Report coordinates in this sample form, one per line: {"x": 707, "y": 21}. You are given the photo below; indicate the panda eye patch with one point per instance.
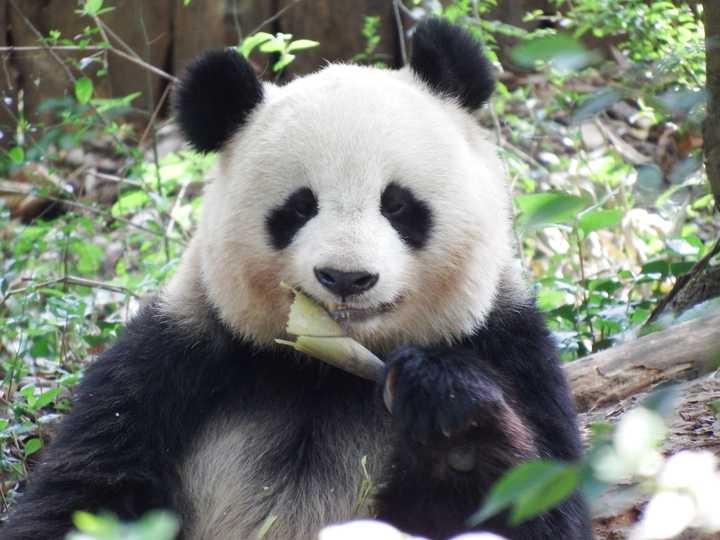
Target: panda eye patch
{"x": 409, "y": 216}
{"x": 284, "y": 221}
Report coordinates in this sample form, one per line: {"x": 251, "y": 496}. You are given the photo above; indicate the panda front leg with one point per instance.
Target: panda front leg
{"x": 457, "y": 431}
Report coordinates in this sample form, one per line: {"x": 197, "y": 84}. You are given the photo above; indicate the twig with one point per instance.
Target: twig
{"x": 155, "y": 114}
{"x": 151, "y": 125}
{"x": 274, "y": 17}
{"x": 97, "y": 212}
{"x": 71, "y": 280}
{"x": 74, "y": 48}
{"x": 400, "y": 31}
{"x": 116, "y": 37}
{"x": 114, "y": 178}
{"x": 236, "y": 22}
{"x": 41, "y": 40}
{"x": 504, "y": 143}
{"x": 172, "y": 220}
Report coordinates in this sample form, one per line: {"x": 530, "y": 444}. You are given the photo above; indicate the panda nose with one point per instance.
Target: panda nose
{"x": 345, "y": 284}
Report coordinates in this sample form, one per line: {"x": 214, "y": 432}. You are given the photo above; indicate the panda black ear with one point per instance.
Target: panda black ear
{"x": 214, "y": 98}
{"x": 451, "y": 62}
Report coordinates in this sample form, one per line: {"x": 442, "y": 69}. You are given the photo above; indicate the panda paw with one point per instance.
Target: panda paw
{"x": 440, "y": 396}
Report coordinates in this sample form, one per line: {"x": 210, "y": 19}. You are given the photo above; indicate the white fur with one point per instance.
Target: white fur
{"x": 235, "y": 484}
{"x": 346, "y": 132}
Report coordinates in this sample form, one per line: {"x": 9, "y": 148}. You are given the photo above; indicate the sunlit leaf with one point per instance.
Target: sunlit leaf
{"x": 17, "y": 155}
{"x": 539, "y": 210}
{"x": 302, "y": 44}
{"x": 32, "y": 446}
{"x": 129, "y": 201}
{"x": 83, "y": 90}
{"x": 562, "y": 51}
{"x": 250, "y": 42}
{"x": 92, "y": 7}
{"x": 285, "y": 60}
{"x": 599, "y": 219}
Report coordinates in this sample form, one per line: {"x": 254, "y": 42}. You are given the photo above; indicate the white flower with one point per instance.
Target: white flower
{"x": 367, "y": 529}
{"x": 634, "y": 452}
{"x": 688, "y": 494}
{"x": 363, "y": 529}
{"x": 666, "y": 515}
{"x": 696, "y": 473}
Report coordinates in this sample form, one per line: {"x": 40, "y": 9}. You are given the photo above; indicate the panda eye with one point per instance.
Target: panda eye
{"x": 394, "y": 208}
{"x": 394, "y": 201}
{"x": 409, "y": 216}
{"x": 305, "y": 209}
{"x": 284, "y": 221}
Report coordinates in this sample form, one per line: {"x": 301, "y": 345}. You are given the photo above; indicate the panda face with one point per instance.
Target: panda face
{"x": 370, "y": 193}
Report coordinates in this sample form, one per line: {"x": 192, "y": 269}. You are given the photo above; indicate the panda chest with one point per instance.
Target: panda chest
{"x": 289, "y": 473}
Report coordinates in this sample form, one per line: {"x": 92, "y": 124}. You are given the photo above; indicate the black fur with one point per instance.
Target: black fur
{"x": 452, "y": 63}
{"x": 408, "y": 215}
{"x": 286, "y": 220}
{"x": 471, "y": 397}
{"x": 143, "y": 403}
{"x": 215, "y": 97}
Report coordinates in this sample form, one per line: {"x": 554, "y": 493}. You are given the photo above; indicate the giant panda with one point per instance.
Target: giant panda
{"x": 377, "y": 194}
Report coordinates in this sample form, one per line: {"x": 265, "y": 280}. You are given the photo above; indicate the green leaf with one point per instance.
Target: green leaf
{"x": 83, "y": 90}
{"x": 46, "y": 398}
{"x": 599, "y": 219}
{"x": 128, "y": 202}
{"x": 17, "y": 155}
{"x": 157, "y": 525}
{"x": 96, "y": 526}
{"x": 562, "y": 51}
{"x": 92, "y": 7}
{"x": 539, "y": 210}
{"x": 599, "y": 102}
{"x": 104, "y": 105}
{"x": 302, "y": 44}
{"x": 250, "y": 42}
{"x": 284, "y": 60}
{"x": 32, "y": 446}
{"x": 557, "y": 487}
{"x": 274, "y": 45}
{"x": 89, "y": 256}
{"x": 524, "y": 485}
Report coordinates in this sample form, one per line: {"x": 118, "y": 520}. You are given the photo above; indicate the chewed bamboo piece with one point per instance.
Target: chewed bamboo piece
{"x": 320, "y": 336}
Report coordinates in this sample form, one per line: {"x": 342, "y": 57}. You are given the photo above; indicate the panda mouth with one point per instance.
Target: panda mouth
{"x": 350, "y": 313}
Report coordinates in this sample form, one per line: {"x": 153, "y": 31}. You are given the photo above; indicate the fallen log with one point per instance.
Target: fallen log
{"x": 683, "y": 351}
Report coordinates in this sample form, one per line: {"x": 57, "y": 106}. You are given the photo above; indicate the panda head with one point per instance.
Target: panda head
{"x": 373, "y": 191}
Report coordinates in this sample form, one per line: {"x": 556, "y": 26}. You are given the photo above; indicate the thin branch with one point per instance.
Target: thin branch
{"x": 95, "y": 211}
{"x": 116, "y": 37}
{"x": 71, "y": 280}
{"x": 172, "y": 221}
{"x": 274, "y": 17}
{"x": 153, "y": 117}
{"x": 75, "y": 48}
{"x": 115, "y": 178}
{"x": 41, "y": 40}
{"x": 400, "y": 31}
